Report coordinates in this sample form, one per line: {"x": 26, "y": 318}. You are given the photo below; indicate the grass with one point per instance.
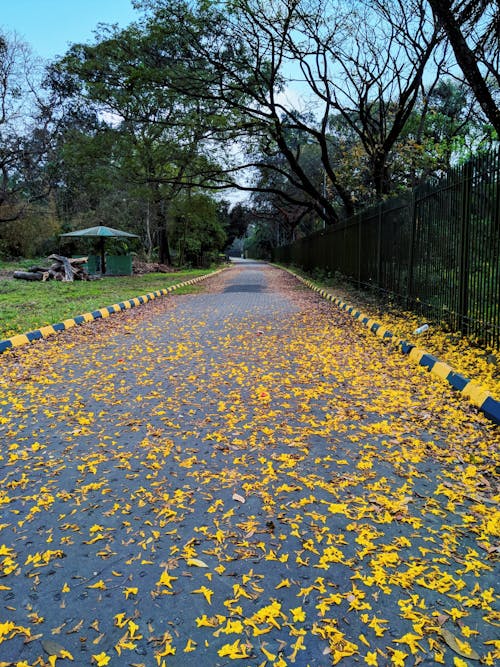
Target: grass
{"x": 25, "y": 306}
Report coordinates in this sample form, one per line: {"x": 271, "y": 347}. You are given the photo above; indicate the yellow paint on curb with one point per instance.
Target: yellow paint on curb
{"x": 441, "y": 369}
{"x": 475, "y": 393}
{"x": 20, "y": 339}
{"x": 416, "y": 354}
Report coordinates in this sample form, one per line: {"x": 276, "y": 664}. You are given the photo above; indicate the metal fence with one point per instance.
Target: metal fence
{"x": 436, "y": 251}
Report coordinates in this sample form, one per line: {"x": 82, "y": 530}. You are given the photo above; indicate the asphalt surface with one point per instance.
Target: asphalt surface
{"x": 241, "y": 475}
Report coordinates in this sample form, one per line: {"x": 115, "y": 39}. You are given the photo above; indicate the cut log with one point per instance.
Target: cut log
{"x": 37, "y": 269}
{"x": 72, "y": 260}
{"x": 62, "y": 268}
{"x": 68, "y": 273}
{"x": 28, "y": 275}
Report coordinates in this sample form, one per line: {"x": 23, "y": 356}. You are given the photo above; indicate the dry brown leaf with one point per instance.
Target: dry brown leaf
{"x": 53, "y": 648}
{"x": 451, "y": 640}
{"x": 57, "y": 631}
{"x": 196, "y": 562}
{"x": 76, "y": 628}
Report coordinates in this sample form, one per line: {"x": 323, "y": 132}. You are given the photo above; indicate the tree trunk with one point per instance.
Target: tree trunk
{"x": 163, "y": 246}
{"x": 466, "y": 60}
{"x": 148, "y": 241}
{"x": 381, "y": 176}
{"x": 160, "y": 216}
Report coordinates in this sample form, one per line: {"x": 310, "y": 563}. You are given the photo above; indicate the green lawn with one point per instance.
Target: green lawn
{"x": 25, "y": 306}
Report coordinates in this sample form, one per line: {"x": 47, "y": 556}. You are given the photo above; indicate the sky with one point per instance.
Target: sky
{"x": 50, "y": 26}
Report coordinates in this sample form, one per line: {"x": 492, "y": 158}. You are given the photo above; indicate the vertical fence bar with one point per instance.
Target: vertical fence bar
{"x": 379, "y": 246}
{"x": 495, "y": 318}
{"x": 360, "y": 217}
{"x": 411, "y": 248}
{"x": 465, "y": 224}
{"x": 439, "y": 249}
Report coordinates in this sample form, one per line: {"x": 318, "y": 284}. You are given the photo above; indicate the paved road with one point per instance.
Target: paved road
{"x": 240, "y": 474}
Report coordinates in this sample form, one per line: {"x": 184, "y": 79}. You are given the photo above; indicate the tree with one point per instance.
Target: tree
{"x": 236, "y": 220}
{"x": 473, "y": 29}
{"x": 368, "y": 69}
{"x": 26, "y": 130}
{"x": 232, "y": 56}
{"x": 156, "y": 139}
{"x": 365, "y": 62}
{"x": 280, "y": 199}
{"x": 198, "y": 233}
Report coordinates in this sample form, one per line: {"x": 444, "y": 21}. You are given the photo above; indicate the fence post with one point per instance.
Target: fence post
{"x": 411, "y": 249}
{"x": 379, "y": 246}
{"x": 359, "y": 250}
{"x": 463, "y": 304}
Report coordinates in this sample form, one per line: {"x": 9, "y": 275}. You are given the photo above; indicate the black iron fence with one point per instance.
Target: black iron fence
{"x": 437, "y": 250}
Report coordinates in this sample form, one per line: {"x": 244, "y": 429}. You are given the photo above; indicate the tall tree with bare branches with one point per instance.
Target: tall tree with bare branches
{"x": 473, "y": 30}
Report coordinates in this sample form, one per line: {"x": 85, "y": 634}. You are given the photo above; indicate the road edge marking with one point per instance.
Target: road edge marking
{"x": 479, "y": 397}
{"x": 49, "y": 330}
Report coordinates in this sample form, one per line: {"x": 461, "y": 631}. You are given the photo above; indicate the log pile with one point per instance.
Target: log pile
{"x": 62, "y": 268}
{"x": 140, "y": 268}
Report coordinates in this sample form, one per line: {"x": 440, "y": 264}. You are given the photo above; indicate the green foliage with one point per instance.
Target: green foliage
{"x": 145, "y": 145}
{"x": 260, "y": 241}
{"x": 35, "y": 233}
{"x": 236, "y": 221}
{"x": 197, "y": 233}
{"x": 196, "y": 94}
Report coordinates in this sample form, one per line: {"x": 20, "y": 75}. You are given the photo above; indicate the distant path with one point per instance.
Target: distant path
{"x": 128, "y": 447}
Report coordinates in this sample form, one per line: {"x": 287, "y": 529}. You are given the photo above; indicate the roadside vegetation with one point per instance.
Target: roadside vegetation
{"x": 25, "y": 306}
{"x": 474, "y": 362}
{"x": 254, "y": 123}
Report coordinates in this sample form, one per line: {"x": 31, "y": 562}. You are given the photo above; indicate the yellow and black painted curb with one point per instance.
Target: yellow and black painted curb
{"x": 51, "y": 329}
{"x": 476, "y": 394}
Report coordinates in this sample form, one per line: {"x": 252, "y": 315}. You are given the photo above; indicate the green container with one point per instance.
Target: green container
{"x": 116, "y": 265}
{"x": 92, "y": 262}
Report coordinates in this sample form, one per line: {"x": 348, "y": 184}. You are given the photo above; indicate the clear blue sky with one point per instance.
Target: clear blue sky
{"x": 49, "y": 26}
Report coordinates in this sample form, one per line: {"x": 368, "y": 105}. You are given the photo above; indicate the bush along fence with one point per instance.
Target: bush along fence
{"x": 435, "y": 251}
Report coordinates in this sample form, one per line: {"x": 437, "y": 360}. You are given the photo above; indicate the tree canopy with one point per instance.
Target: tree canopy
{"x": 312, "y": 108}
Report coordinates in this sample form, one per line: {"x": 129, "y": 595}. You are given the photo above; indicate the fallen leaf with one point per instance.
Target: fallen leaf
{"x": 53, "y": 648}
{"x": 196, "y": 562}
{"x": 462, "y": 648}
{"x": 76, "y": 628}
